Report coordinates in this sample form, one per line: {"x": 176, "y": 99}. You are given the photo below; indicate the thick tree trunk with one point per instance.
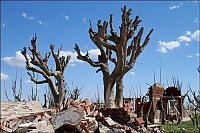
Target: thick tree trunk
{"x": 60, "y": 90}
{"x": 53, "y": 91}
{"x": 108, "y": 94}
{"x": 119, "y": 93}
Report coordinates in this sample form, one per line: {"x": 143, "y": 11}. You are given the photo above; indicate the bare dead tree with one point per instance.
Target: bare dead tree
{"x": 125, "y": 55}
{"x": 75, "y": 92}
{"x": 97, "y": 96}
{"x": 33, "y": 95}
{"x": 37, "y": 64}
{"x": 17, "y": 95}
{"x": 45, "y": 101}
{"x": 176, "y": 83}
{"x": 48, "y": 99}
{"x": 6, "y": 92}
{"x": 195, "y": 102}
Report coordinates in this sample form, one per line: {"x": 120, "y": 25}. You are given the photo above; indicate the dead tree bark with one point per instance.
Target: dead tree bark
{"x": 122, "y": 50}
{"x": 119, "y": 93}
{"x": 37, "y": 64}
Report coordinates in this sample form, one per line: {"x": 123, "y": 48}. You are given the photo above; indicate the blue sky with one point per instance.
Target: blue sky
{"x": 174, "y": 44}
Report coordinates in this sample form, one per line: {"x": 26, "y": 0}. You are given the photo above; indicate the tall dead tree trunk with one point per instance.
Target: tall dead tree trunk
{"x": 36, "y": 64}
{"x": 119, "y": 93}
{"x": 102, "y": 64}
{"x": 119, "y": 45}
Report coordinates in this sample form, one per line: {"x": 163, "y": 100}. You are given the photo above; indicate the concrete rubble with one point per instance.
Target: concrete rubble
{"x": 78, "y": 116}
{"x": 25, "y": 117}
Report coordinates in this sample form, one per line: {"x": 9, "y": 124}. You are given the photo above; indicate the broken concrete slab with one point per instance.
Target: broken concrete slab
{"x": 117, "y": 130}
{"x": 104, "y": 129}
{"x": 18, "y": 116}
{"x": 109, "y": 121}
{"x": 41, "y": 125}
{"x": 26, "y": 124}
{"x": 21, "y": 130}
{"x": 9, "y": 109}
{"x": 71, "y": 116}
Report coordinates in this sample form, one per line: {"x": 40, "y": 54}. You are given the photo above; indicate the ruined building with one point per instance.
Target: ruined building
{"x": 160, "y": 104}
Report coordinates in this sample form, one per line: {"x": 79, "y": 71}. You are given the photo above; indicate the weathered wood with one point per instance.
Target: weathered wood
{"x": 71, "y": 116}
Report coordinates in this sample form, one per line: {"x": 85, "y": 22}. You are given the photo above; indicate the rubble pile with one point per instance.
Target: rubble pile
{"x": 25, "y": 117}
{"x": 78, "y": 116}
{"x": 120, "y": 115}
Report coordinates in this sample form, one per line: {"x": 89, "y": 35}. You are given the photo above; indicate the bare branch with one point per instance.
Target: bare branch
{"x": 32, "y": 77}
{"x": 47, "y": 55}
{"x": 146, "y": 40}
{"x": 113, "y": 36}
{"x": 86, "y": 57}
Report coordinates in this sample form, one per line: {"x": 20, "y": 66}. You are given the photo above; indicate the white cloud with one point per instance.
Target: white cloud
{"x": 71, "y": 64}
{"x": 196, "y": 35}
{"x": 24, "y": 15}
{"x": 196, "y": 20}
{"x": 39, "y": 22}
{"x": 165, "y": 46}
{"x": 3, "y": 25}
{"x": 188, "y": 33}
{"x": 132, "y": 73}
{"x": 17, "y": 60}
{"x": 93, "y": 53}
{"x": 84, "y": 19}
{"x": 32, "y": 18}
{"x": 174, "y": 7}
{"x": 73, "y": 55}
{"x": 187, "y": 44}
{"x": 189, "y": 56}
{"x": 197, "y": 54}
{"x": 27, "y": 17}
{"x": 181, "y": 3}
{"x": 162, "y": 50}
{"x": 184, "y": 39}
{"x": 4, "y": 76}
{"x": 67, "y": 17}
